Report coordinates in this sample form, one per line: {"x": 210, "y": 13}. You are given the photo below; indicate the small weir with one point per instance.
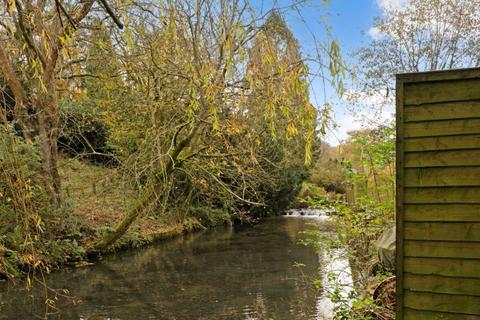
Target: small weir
{"x": 309, "y": 213}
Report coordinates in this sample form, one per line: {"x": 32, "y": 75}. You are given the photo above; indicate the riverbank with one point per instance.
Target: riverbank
{"x": 357, "y": 229}
{"x": 98, "y": 198}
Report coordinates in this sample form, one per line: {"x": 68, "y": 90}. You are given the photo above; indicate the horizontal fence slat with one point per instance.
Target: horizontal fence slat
{"x": 448, "y": 231}
{"x": 441, "y": 91}
{"x": 442, "y": 249}
{"x": 410, "y": 314}
{"x": 442, "y": 111}
{"x": 442, "y": 212}
{"x": 443, "y": 267}
{"x": 442, "y": 158}
{"x": 442, "y": 302}
{"x": 442, "y": 143}
{"x": 441, "y": 128}
{"x": 442, "y": 195}
{"x": 447, "y": 285}
{"x": 442, "y": 177}
{"x": 443, "y": 75}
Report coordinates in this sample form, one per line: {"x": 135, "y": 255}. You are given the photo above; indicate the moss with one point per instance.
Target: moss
{"x": 8, "y": 266}
{"x": 136, "y": 237}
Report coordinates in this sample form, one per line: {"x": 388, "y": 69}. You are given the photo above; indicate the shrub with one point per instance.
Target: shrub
{"x": 82, "y": 133}
{"x": 210, "y": 217}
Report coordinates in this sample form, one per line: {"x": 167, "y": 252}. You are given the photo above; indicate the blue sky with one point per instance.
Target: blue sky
{"x": 350, "y": 21}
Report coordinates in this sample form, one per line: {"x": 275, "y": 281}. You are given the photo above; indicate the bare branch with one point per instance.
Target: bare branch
{"x": 111, "y": 13}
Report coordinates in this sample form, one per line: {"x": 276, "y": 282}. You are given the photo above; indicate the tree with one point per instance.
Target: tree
{"x": 221, "y": 106}
{"x": 328, "y": 171}
{"x": 35, "y": 38}
{"x": 423, "y": 36}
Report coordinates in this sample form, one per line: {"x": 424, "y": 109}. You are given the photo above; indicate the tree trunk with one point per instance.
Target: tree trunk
{"x": 46, "y": 127}
{"x": 38, "y": 118}
{"x": 146, "y": 198}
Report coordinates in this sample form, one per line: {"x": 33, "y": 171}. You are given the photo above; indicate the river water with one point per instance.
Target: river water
{"x": 247, "y": 273}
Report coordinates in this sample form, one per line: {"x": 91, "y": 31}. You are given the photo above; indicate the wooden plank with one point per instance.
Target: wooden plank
{"x": 410, "y": 314}
{"x": 442, "y": 195}
{"x": 447, "y": 231}
{"x": 399, "y": 180}
{"x": 439, "y": 75}
{"x": 442, "y": 177}
{"x": 445, "y": 91}
{"x": 442, "y": 143}
{"x": 447, "y": 285}
{"x": 442, "y": 158}
{"x": 460, "y": 268}
{"x": 442, "y": 302}
{"x": 442, "y": 111}
{"x": 442, "y": 128}
{"x": 442, "y": 249}
{"x": 442, "y": 212}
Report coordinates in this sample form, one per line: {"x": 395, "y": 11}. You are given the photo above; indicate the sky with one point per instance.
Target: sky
{"x": 350, "y": 23}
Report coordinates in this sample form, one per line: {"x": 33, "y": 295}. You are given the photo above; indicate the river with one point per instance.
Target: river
{"x": 243, "y": 273}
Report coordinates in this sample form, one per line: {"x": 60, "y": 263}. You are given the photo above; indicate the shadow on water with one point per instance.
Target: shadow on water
{"x": 232, "y": 273}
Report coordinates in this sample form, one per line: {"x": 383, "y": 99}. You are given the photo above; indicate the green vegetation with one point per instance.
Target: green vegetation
{"x": 359, "y": 185}
{"x": 121, "y": 124}
{"x": 200, "y": 118}
{"x": 357, "y": 180}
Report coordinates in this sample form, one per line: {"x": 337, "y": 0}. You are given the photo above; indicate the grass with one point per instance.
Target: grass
{"x": 98, "y": 198}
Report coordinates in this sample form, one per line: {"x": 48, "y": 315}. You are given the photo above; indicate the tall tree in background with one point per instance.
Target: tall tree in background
{"x": 422, "y": 36}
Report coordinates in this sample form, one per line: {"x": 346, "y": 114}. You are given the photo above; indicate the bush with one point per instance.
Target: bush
{"x": 82, "y": 133}
{"x": 24, "y": 203}
{"x": 311, "y": 196}
{"x": 210, "y": 217}
{"x": 21, "y": 188}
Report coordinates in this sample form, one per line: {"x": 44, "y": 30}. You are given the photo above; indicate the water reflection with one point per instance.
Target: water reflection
{"x": 243, "y": 273}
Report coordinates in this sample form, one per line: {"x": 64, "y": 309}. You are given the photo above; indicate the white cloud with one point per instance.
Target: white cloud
{"x": 392, "y": 4}
{"x": 374, "y": 32}
{"x": 360, "y": 110}
{"x": 386, "y": 7}
{"x": 347, "y": 122}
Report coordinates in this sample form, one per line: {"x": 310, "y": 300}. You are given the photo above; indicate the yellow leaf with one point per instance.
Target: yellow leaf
{"x": 64, "y": 52}
{"x": 11, "y": 6}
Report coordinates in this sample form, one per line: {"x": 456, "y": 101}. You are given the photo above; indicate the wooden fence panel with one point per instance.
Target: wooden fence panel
{"x": 438, "y": 195}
